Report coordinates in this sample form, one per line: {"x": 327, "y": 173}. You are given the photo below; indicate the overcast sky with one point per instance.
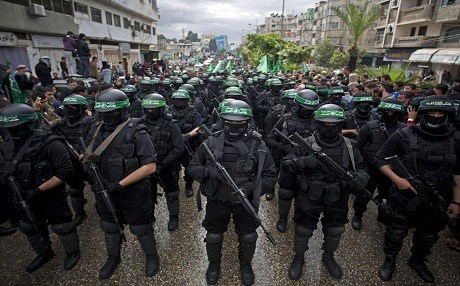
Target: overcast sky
{"x": 221, "y": 17}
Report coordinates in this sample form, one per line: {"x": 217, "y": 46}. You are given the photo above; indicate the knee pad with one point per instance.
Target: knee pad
{"x": 212, "y": 237}
{"x": 108, "y": 227}
{"x": 303, "y": 231}
{"x": 285, "y": 194}
{"x": 142, "y": 229}
{"x": 63, "y": 228}
{"x": 73, "y": 192}
{"x": 334, "y": 231}
{"x": 428, "y": 239}
{"x": 173, "y": 196}
{"x": 27, "y": 228}
{"x": 248, "y": 238}
{"x": 396, "y": 234}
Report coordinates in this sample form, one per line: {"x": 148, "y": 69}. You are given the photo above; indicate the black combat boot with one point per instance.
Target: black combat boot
{"x": 43, "y": 250}
{"x": 357, "y": 222}
{"x": 246, "y": 249}
{"x": 5, "y": 231}
{"x": 188, "y": 188}
{"x": 418, "y": 264}
{"x": 281, "y": 225}
{"x": 214, "y": 252}
{"x": 148, "y": 244}
{"x": 78, "y": 205}
{"x": 331, "y": 243}
{"x": 387, "y": 268}
{"x": 172, "y": 202}
{"x": 113, "y": 245}
{"x": 71, "y": 246}
{"x": 173, "y": 223}
{"x": 301, "y": 237}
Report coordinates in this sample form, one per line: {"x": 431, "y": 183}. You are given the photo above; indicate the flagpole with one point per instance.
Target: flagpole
{"x": 282, "y": 24}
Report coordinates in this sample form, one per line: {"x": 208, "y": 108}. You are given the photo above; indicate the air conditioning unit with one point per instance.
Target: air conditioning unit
{"x": 135, "y": 33}
{"x": 144, "y": 27}
{"x": 132, "y": 24}
{"x": 37, "y": 10}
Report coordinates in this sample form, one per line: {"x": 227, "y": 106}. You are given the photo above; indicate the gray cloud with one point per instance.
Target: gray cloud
{"x": 221, "y": 17}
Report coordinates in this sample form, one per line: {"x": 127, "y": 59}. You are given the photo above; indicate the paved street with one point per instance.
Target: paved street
{"x": 183, "y": 256}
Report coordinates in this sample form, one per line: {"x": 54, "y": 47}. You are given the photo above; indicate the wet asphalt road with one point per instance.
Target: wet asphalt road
{"x": 183, "y": 255}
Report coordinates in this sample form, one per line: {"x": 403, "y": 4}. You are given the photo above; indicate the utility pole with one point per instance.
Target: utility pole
{"x": 183, "y": 34}
{"x": 282, "y": 24}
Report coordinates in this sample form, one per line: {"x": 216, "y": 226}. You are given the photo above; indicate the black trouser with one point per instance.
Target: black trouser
{"x": 377, "y": 180}
{"x": 218, "y": 215}
{"x": 185, "y": 161}
{"x": 427, "y": 226}
{"x": 7, "y": 201}
{"x": 169, "y": 181}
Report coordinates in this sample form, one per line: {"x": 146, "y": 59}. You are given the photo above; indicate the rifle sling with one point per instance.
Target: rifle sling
{"x": 107, "y": 140}
{"x": 256, "y": 198}
{"x": 22, "y": 151}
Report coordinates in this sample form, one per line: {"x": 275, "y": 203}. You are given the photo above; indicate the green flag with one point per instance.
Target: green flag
{"x": 18, "y": 95}
{"x": 210, "y": 67}
{"x": 229, "y": 66}
{"x": 264, "y": 64}
{"x": 218, "y": 67}
{"x": 305, "y": 68}
{"x": 196, "y": 60}
{"x": 278, "y": 66}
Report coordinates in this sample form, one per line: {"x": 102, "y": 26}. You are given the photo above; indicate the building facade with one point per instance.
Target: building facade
{"x": 117, "y": 30}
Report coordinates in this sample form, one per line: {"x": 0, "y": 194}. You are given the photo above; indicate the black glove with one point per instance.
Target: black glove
{"x": 30, "y": 195}
{"x": 212, "y": 173}
{"x": 113, "y": 187}
{"x": 359, "y": 181}
{"x": 308, "y": 162}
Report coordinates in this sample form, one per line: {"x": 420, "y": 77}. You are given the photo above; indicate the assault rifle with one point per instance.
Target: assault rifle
{"x": 426, "y": 193}
{"x": 96, "y": 176}
{"x": 297, "y": 140}
{"x": 238, "y": 193}
{"x": 24, "y": 205}
{"x": 59, "y": 132}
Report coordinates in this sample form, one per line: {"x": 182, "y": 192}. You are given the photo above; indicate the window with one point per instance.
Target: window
{"x": 116, "y": 20}
{"x": 412, "y": 31}
{"x": 80, "y": 8}
{"x": 147, "y": 28}
{"x": 137, "y": 26}
{"x": 126, "y": 23}
{"x": 445, "y": 3}
{"x": 334, "y": 25}
{"x": 154, "y": 31}
{"x": 452, "y": 35}
{"x": 422, "y": 30}
{"x": 58, "y": 6}
{"x": 108, "y": 18}
{"x": 419, "y": 3}
{"x": 96, "y": 15}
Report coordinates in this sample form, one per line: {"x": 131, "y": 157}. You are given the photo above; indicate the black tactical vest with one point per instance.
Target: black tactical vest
{"x": 73, "y": 132}
{"x": 185, "y": 118}
{"x": 135, "y": 108}
{"x": 292, "y": 124}
{"x": 161, "y": 136}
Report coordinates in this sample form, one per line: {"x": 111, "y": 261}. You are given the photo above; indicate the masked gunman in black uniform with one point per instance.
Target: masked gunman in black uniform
{"x": 135, "y": 108}
{"x": 124, "y": 165}
{"x": 322, "y": 190}
{"x": 239, "y": 151}
{"x": 302, "y": 122}
{"x": 370, "y": 139}
{"x": 430, "y": 151}
{"x": 74, "y": 125}
{"x": 43, "y": 165}
{"x": 167, "y": 139}
{"x": 188, "y": 120}
{"x": 359, "y": 116}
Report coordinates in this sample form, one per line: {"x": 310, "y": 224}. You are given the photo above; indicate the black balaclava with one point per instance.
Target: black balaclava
{"x": 234, "y": 132}
{"x": 179, "y": 103}
{"x": 304, "y": 113}
{"x": 113, "y": 118}
{"x": 74, "y": 112}
{"x": 388, "y": 118}
{"x": 20, "y": 132}
{"x": 363, "y": 109}
{"x": 153, "y": 114}
{"x": 434, "y": 124}
{"x": 329, "y": 134}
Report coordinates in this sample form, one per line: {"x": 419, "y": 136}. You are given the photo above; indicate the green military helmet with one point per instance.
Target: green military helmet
{"x": 255, "y": 78}
{"x": 290, "y": 93}
{"x": 111, "y": 99}
{"x": 146, "y": 82}
{"x": 330, "y": 113}
{"x": 224, "y": 102}
{"x": 230, "y": 82}
{"x": 363, "y": 98}
{"x": 392, "y": 105}
{"x": 250, "y": 81}
{"x": 178, "y": 80}
{"x": 129, "y": 89}
{"x": 236, "y": 110}
{"x": 308, "y": 99}
{"x": 153, "y": 100}
{"x": 75, "y": 99}
{"x": 233, "y": 92}
{"x": 211, "y": 79}
{"x": 241, "y": 84}
{"x": 155, "y": 81}
{"x": 262, "y": 77}
{"x": 276, "y": 84}
{"x": 437, "y": 103}
{"x": 15, "y": 114}
{"x": 166, "y": 81}
{"x": 180, "y": 94}
{"x": 189, "y": 88}
{"x": 218, "y": 79}
{"x": 289, "y": 82}
{"x": 185, "y": 77}
{"x": 194, "y": 81}
{"x": 204, "y": 77}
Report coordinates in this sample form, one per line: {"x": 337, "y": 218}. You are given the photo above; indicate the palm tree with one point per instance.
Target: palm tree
{"x": 358, "y": 18}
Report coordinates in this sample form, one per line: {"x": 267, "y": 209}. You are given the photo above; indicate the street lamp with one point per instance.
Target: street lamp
{"x": 282, "y": 24}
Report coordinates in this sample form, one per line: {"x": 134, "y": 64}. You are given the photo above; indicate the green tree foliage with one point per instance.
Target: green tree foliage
{"x": 394, "y": 73}
{"x": 338, "y": 60}
{"x": 294, "y": 55}
{"x": 192, "y": 37}
{"x": 213, "y": 45}
{"x": 323, "y": 53}
{"x": 358, "y": 18}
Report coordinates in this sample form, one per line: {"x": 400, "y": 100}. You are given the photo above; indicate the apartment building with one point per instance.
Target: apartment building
{"x": 286, "y": 26}
{"x": 116, "y": 29}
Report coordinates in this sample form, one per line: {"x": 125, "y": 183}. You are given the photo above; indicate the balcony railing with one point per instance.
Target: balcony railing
{"x": 416, "y": 14}
{"x": 416, "y": 42}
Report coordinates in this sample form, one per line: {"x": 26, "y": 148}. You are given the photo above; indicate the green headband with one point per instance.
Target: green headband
{"x": 302, "y": 100}
{"x": 437, "y": 103}
{"x": 290, "y": 93}
{"x": 329, "y": 113}
{"x": 100, "y": 105}
{"x": 153, "y": 102}
{"x": 391, "y": 106}
{"x": 235, "y": 110}
{"x": 363, "y": 99}
{"x": 76, "y": 100}
{"x": 19, "y": 117}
